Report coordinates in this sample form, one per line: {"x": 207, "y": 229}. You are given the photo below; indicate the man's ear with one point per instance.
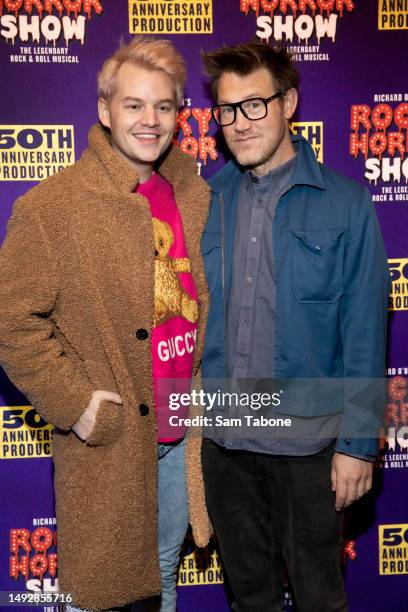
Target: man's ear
{"x": 103, "y": 112}
{"x": 290, "y": 101}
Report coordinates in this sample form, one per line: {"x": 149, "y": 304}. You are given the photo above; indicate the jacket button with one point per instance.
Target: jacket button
{"x": 143, "y": 409}
{"x": 142, "y": 334}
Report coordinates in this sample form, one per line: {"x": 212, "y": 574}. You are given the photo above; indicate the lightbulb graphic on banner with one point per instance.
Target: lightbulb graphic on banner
{"x": 33, "y": 561}
{"x": 194, "y": 125}
{"x": 379, "y": 136}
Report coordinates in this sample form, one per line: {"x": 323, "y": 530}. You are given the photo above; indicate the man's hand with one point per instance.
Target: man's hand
{"x": 351, "y": 479}
{"x": 86, "y": 422}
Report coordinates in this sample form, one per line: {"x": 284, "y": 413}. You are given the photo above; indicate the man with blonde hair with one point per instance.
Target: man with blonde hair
{"x": 103, "y": 296}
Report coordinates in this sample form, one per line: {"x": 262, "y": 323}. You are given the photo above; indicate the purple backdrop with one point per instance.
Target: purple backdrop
{"x": 353, "y": 109}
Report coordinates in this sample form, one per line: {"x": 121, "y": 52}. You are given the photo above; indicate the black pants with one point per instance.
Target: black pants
{"x": 269, "y": 511}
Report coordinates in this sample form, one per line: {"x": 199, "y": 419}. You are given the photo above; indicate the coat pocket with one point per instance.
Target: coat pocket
{"x": 108, "y": 426}
{"x": 317, "y": 265}
{"x": 109, "y": 418}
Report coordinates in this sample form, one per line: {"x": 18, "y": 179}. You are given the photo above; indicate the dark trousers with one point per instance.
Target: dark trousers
{"x": 268, "y": 511}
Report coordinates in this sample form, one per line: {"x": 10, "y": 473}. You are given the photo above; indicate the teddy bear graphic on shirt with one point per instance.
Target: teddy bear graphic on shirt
{"x": 171, "y": 300}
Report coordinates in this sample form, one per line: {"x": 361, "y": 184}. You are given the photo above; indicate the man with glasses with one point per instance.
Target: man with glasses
{"x": 298, "y": 278}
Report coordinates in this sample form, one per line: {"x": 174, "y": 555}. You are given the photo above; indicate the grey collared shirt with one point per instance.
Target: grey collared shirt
{"x": 252, "y": 309}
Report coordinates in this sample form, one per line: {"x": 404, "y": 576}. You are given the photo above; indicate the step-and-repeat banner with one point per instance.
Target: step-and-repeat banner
{"x": 352, "y": 57}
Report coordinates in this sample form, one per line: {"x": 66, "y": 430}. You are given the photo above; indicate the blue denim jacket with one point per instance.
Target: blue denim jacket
{"x": 332, "y": 286}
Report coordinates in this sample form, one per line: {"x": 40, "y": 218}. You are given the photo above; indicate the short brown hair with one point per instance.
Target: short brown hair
{"x": 243, "y": 59}
{"x": 147, "y": 52}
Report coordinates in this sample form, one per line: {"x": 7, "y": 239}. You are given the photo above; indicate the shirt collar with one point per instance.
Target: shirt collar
{"x": 306, "y": 172}
{"x": 280, "y": 176}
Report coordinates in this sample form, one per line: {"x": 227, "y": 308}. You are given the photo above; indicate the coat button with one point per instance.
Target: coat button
{"x": 143, "y": 409}
{"x": 142, "y": 334}
{"x": 347, "y": 440}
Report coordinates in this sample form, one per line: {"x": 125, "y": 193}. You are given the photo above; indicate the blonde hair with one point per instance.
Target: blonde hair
{"x": 147, "y": 52}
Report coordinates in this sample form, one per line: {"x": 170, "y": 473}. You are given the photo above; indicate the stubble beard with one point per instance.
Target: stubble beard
{"x": 265, "y": 157}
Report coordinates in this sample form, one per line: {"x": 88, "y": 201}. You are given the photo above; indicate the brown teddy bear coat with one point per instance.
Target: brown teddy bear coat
{"x": 77, "y": 282}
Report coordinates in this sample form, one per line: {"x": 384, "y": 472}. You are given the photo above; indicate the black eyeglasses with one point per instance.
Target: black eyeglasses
{"x": 253, "y": 109}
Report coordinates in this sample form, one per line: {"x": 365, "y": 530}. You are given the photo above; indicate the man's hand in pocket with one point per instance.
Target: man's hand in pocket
{"x": 86, "y": 422}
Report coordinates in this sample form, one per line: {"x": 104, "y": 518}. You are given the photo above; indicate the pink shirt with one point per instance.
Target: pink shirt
{"x": 175, "y": 327}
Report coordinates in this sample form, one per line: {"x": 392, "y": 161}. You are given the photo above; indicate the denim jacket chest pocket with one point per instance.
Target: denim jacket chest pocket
{"x": 211, "y": 252}
{"x": 317, "y": 264}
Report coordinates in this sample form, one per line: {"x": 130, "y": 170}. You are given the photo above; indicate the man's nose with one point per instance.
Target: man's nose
{"x": 241, "y": 123}
{"x": 150, "y": 116}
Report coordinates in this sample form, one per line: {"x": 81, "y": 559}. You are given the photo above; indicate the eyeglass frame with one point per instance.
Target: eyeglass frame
{"x": 236, "y": 105}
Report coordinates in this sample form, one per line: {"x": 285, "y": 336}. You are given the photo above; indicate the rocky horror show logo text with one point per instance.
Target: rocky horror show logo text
{"x": 396, "y": 414}
{"x": 33, "y": 555}
{"x": 394, "y": 436}
{"x": 301, "y": 18}
{"x": 380, "y": 135}
{"x": 48, "y": 21}
{"x": 200, "y": 146}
